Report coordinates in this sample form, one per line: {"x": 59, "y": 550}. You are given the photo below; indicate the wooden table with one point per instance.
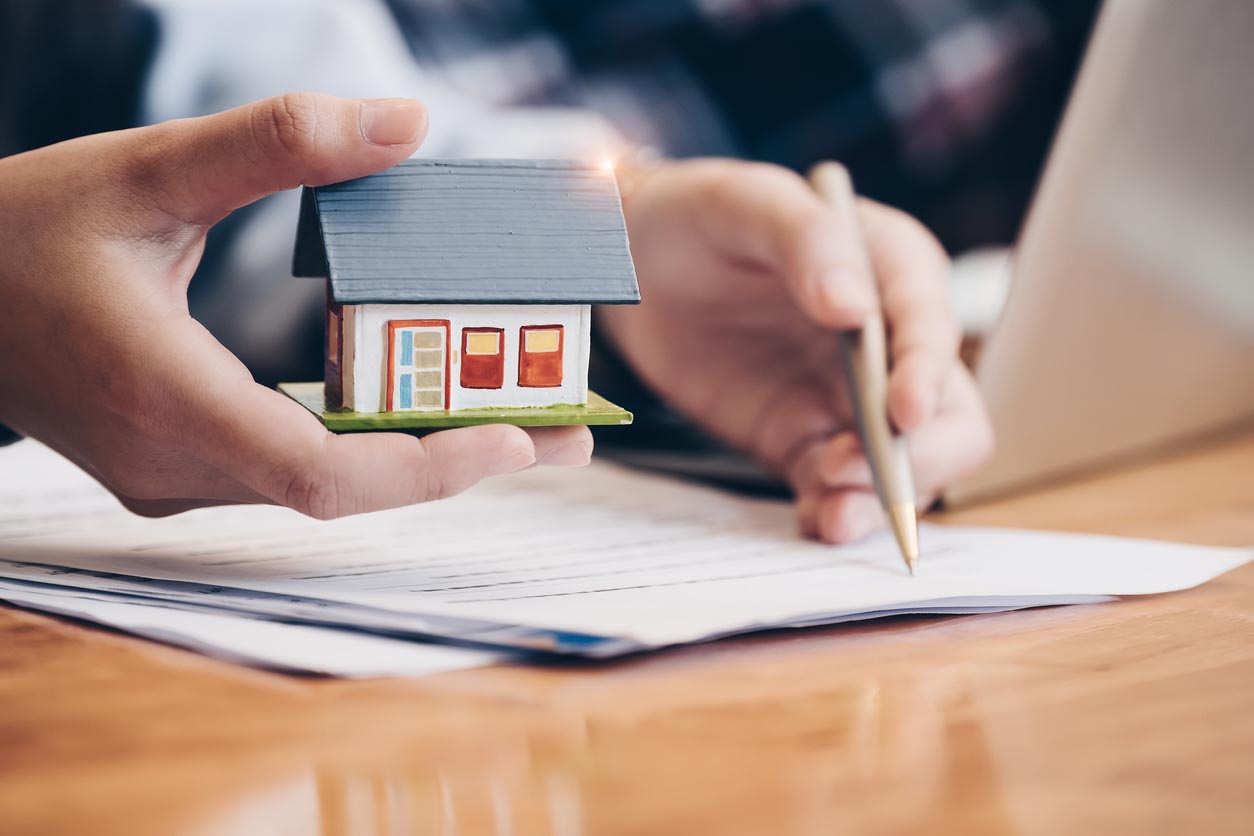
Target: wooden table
{"x": 1132, "y": 717}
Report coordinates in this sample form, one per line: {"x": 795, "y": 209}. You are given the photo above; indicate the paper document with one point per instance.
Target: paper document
{"x": 596, "y": 562}
{"x": 269, "y": 644}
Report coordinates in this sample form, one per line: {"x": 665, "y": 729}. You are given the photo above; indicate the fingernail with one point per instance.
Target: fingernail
{"x": 512, "y": 463}
{"x": 391, "y": 121}
{"x": 568, "y": 455}
{"x": 843, "y": 289}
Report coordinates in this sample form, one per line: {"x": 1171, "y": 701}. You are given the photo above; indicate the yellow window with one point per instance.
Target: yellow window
{"x": 543, "y": 341}
{"x": 481, "y": 342}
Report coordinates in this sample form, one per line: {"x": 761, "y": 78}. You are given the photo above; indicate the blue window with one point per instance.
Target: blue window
{"x": 407, "y": 348}
{"x": 407, "y": 381}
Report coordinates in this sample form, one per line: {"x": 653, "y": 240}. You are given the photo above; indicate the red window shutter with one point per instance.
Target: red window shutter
{"x": 540, "y": 349}
{"x": 483, "y": 358}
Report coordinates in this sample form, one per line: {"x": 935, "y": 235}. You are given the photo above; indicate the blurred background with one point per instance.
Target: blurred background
{"x": 944, "y": 108}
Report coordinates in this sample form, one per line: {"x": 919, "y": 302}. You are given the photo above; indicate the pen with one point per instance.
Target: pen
{"x": 864, "y": 353}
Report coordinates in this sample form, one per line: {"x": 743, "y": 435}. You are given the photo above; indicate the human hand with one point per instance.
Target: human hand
{"x": 100, "y": 359}
{"x": 746, "y": 276}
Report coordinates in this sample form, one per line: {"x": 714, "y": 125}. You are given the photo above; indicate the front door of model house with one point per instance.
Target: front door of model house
{"x": 417, "y": 364}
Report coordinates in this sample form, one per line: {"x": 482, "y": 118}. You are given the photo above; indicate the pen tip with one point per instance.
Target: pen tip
{"x": 905, "y": 527}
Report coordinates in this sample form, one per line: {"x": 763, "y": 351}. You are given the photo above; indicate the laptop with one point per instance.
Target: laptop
{"x": 1129, "y": 325}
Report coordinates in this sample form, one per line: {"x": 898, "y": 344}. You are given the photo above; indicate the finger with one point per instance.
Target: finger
{"x": 192, "y": 481}
{"x": 158, "y": 482}
{"x": 807, "y": 513}
{"x": 946, "y": 448}
{"x": 819, "y": 514}
{"x": 561, "y": 446}
{"x": 956, "y": 442}
{"x": 913, "y": 274}
{"x": 914, "y": 385}
{"x": 200, "y": 170}
{"x": 771, "y": 216}
{"x": 844, "y": 464}
{"x": 169, "y": 507}
{"x": 199, "y": 486}
{"x": 273, "y": 446}
{"x": 139, "y": 470}
{"x": 837, "y": 504}
{"x": 352, "y": 474}
{"x": 842, "y": 516}
{"x": 788, "y": 419}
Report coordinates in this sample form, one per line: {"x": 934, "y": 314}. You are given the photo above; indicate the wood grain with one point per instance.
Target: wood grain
{"x": 1113, "y": 718}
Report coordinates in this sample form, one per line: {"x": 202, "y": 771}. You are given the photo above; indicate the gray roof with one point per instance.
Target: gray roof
{"x": 470, "y": 231}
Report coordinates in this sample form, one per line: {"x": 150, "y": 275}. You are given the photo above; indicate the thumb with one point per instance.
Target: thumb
{"x": 200, "y": 170}
{"x": 768, "y": 215}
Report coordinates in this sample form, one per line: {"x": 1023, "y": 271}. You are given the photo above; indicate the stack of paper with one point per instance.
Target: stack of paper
{"x": 596, "y": 562}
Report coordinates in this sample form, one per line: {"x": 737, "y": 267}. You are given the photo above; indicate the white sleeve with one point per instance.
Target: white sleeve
{"x": 216, "y": 54}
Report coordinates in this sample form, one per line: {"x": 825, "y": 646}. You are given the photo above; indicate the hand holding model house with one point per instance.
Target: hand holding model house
{"x": 104, "y": 363}
{"x": 457, "y": 304}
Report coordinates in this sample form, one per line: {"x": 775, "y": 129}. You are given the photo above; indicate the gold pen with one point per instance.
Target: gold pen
{"x": 865, "y": 356}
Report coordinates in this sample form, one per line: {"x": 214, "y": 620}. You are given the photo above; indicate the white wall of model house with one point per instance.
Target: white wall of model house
{"x": 365, "y": 352}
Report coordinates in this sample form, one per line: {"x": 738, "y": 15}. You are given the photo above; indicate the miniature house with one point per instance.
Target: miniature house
{"x": 462, "y": 285}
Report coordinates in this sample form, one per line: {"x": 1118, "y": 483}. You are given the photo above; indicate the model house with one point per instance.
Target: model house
{"x": 463, "y": 289}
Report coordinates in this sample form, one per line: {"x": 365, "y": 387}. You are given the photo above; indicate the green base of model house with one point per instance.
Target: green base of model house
{"x": 598, "y": 411}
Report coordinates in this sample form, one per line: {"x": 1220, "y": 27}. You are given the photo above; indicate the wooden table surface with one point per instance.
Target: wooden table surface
{"x": 1130, "y": 717}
